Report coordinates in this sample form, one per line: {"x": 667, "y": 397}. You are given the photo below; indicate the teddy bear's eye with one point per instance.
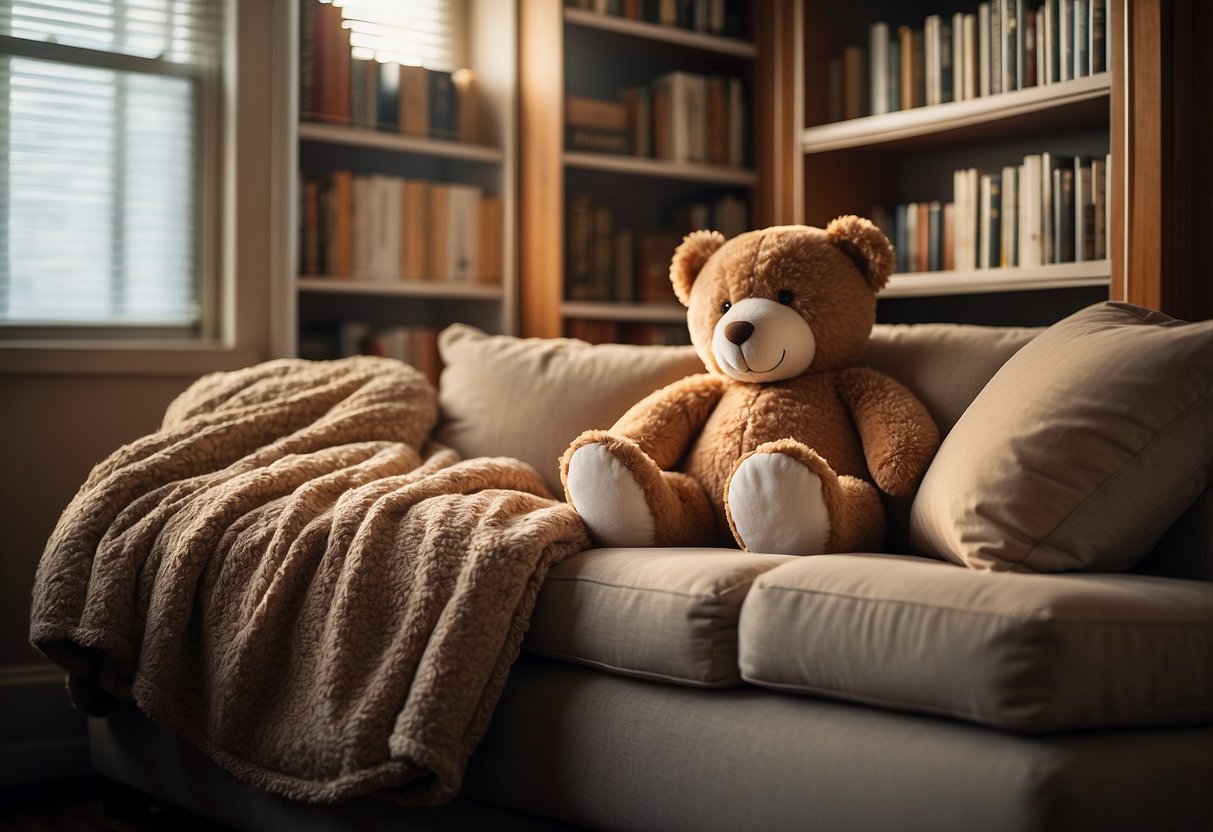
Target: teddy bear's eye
{"x": 726, "y": 306}
{"x": 786, "y": 297}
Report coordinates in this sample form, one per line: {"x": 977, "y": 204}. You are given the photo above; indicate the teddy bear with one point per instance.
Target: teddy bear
{"x": 777, "y": 446}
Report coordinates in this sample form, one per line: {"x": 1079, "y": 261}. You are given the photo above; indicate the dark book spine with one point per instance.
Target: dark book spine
{"x": 442, "y": 106}
{"x": 387, "y": 114}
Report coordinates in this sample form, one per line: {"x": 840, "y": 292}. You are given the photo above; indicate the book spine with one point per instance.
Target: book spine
{"x": 1099, "y": 36}
{"x": 1099, "y": 218}
{"x": 414, "y": 116}
{"x": 947, "y": 87}
{"x": 443, "y": 123}
{"x": 1082, "y": 46}
{"x": 983, "y": 49}
{"x": 934, "y": 236}
{"x": 387, "y": 96}
{"x": 959, "y": 59}
{"x": 878, "y": 67}
{"x": 1029, "y": 211}
{"x": 996, "y": 46}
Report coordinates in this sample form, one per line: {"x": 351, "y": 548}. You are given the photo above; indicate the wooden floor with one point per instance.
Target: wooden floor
{"x": 87, "y": 803}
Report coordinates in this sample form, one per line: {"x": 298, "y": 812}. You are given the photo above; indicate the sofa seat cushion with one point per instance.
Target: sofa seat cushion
{"x": 667, "y": 614}
{"x": 1024, "y": 652}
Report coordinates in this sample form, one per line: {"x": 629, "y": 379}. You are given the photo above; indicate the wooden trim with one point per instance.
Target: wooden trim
{"x": 778, "y": 100}
{"x": 541, "y": 170}
{"x": 1162, "y": 197}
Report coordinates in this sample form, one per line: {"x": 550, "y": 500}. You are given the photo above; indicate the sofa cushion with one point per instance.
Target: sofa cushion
{"x": 668, "y": 614}
{"x": 946, "y": 365}
{"x": 529, "y": 398}
{"x": 1016, "y": 651}
{"x": 1080, "y": 452}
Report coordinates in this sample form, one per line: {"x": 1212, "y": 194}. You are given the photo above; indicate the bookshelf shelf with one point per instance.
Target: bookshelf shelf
{"x": 1022, "y": 279}
{"x": 659, "y": 168}
{"x": 668, "y": 34}
{"x": 1078, "y": 101}
{"x": 360, "y": 137}
{"x": 415, "y": 289}
{"x": 624, "y": 312}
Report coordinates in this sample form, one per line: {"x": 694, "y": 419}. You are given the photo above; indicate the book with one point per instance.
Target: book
{"x": 602, "y": 252}
{"x": 1099, "y": 59}
{"x": 1063, "y": 215}
{"x": 492, "y": 239}
{"x": 639, "y": 109}
{"x": 947, "y": 88}
{"x": 990, "y": 220}
{"x": 878, "y": 68}
{"x": 1082, "y": 44}
{"x": 997, "y": 25}
{"x": 912, "y": 81}
{"x": 717, "y": 121}
{"x": 971, "y": 57}
{"x": 387, "y": 96}
{"x": 578, "y": 243}
{"x": 983, "y": 49}
{"x": 934, "y": 236}
{"x": 416, "y": 230}
{"x": 948, "y": 243}
{"x": 463, "y": 233}
{"x": 623, "y": 286}
{"x": 595, "y": 113}
{"x": 901, "y": 245}
{"x": 672, "y": 116}
{"x": 414, "y": 98}
{"x": 1028, "y": 52}
{"x": 1065, "y": 39}
{"x": 438, "y": 206}
{"x": 1010, "y": 46}
{"x": 467, "y": 98}
{"x": 931, "y": 48}
{"x": 1030, "y": 200}
{"x": 1099, "y": 197}
{"x": 654, "y": 250}
{"x": 1084, "y": 211}
{"x": 854, "y": 82}
{"x": 1008, "y": 249}
{"x": 959, "y": 59}
{"x": 444, "y": 122}
{"x": 911, "y": 237}
{"x": 737, "y": 124}
{"x": 591, "y": 140}
{"x": 893, "y": 84}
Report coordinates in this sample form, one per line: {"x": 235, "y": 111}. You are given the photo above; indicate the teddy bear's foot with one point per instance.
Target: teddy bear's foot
{"x": 777, "y": 505}
{"x": 605, "y": 492}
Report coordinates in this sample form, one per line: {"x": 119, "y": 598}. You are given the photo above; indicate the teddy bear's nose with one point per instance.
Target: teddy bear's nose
{"x": 739, "y": 331}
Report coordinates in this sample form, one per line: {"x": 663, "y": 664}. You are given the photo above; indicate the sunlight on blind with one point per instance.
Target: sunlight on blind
{"x": 99, "y": 160}
{"x": 418, "y": 32}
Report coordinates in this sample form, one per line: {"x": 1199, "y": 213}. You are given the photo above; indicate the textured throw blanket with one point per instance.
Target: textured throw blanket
{"x": 292, "y": 577}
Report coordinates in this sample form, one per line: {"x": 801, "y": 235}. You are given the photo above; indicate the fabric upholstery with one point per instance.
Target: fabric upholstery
{"x": 612, "y": 753}
{"x": 1080, "y": 452}
{"x": 668, "y": 614}
{"x": 529, "y": 398}
{"x": 1016, "y": 651}
{"x": 946, "y": 365}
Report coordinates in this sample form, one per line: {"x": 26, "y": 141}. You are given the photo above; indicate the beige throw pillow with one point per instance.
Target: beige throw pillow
{"x": 1080, "y": 452}
{"x": 529, "y": 398}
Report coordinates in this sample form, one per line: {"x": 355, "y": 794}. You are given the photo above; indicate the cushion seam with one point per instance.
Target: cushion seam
{"x": 1035, "y": 615}
{"x": 656, "y": 590}
{"x": 726, "y": 681}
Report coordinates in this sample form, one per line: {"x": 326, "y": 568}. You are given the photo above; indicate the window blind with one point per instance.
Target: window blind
{"x": 103, "y": 127}
{"x": 417, "y": 32}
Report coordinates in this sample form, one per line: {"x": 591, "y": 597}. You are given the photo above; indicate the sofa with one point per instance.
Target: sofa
{"x": 1033, "y": 650}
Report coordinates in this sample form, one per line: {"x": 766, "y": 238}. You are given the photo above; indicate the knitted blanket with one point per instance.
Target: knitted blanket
{"x": 290, "y": 575}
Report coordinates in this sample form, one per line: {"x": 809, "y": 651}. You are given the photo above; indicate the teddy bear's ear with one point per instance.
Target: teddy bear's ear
{"x": 864, "y": 243}
{"x": 689, "y": 257}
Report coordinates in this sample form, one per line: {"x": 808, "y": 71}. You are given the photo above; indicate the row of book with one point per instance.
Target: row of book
{"x": 380, "y": 227}
{"x": 606, "y": 262}
{"x": 681, "y": 117}
{"x": 340, "y": 87}
{"x": 1047, "y": 209}
{"x": 714, "y": 17}
{"x": 414, "y": 345}
{"x": 629, "y": 332}
{"x": 1005, "y": 45}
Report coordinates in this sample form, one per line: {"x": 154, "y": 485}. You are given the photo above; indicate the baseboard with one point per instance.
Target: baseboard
{"x": 42, "y": 737}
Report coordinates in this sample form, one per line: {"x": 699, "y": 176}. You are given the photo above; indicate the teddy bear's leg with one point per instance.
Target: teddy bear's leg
{"x": 625, "y": 499}
{"x": 784, "y": 498}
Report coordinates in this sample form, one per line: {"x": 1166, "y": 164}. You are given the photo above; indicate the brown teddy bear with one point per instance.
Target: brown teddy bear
{"x": 777, "y": 445}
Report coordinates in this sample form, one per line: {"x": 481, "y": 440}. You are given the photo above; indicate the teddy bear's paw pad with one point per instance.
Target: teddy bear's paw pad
{"x": 609, "y": 499}
{"x": 777, "y": 506}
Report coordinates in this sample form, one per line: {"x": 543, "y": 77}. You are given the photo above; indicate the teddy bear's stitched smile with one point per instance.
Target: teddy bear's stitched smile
{"x": 750, "y": 369}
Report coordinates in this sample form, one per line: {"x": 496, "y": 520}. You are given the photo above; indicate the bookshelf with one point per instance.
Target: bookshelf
{"x": 648, "y": 192}
{"x": 871, "y": 163}
{"x": 329, "y": 309}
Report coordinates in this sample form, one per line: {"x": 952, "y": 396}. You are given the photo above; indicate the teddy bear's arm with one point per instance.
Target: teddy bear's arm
{"x": 898, "y": 434}
{"x": 664, "y": 422}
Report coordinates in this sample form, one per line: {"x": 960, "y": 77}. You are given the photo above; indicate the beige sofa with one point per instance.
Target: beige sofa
{"x": 1039, "y": 656}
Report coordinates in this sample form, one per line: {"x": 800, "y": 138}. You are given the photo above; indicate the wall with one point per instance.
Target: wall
{"x": 64, "y": 408}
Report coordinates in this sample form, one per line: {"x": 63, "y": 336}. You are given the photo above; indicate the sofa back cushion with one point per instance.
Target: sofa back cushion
{"x": 946, "y": 365}
{"x": 528, "y": 398}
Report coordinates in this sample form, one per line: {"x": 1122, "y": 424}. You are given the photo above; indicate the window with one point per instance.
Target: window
{"x": 419, "y": 32}
{"x": 107, "y": 113}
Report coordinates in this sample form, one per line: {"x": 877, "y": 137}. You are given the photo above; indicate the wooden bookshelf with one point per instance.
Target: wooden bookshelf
{"x": 569, "y": 51}
{"x": 909, "y": 155}
{"x": 313, "y": 302}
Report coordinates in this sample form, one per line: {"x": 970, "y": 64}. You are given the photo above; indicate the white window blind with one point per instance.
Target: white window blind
{"x": 417, "y": 32}
{"x": 104, "y": 113}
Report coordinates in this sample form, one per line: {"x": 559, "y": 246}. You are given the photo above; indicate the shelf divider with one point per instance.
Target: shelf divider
{"x": 981, "y": 281}
{"x": 401, "y": 288}
{"x": 653, "y": 31}
{"x": 362, "y": 137}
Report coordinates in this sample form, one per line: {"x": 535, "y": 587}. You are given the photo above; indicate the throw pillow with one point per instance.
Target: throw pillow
{"x": 1080, "y": 452}
{"x": 528, "y": 398}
